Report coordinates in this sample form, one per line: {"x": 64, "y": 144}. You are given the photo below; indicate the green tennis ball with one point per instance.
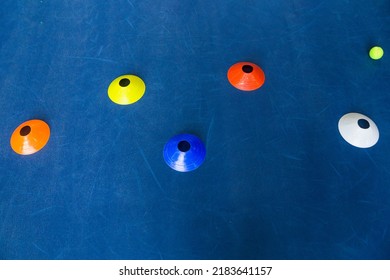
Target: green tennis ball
{"x": 376, "y": 53}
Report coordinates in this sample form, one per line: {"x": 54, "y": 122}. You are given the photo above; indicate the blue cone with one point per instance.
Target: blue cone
{"x": 184, "y": 152}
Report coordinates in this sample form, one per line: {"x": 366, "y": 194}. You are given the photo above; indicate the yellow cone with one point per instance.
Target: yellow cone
{"x": 126, "y": 89}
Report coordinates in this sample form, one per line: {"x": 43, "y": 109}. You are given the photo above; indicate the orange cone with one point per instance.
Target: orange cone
{"x": 246, "y": 76}
{"x": 29, "y": 137}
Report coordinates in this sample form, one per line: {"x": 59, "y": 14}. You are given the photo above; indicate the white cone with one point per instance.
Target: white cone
{"x": 363, "y": 134}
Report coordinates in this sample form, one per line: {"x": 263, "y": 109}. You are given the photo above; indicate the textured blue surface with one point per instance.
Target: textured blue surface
{"x": 278, "y": 182}
{"x": 184, "y": 152}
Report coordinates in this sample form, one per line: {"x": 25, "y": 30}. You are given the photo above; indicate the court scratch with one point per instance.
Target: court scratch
{"x": 384, "y": 233}
{"x": 93, "y": 58}
{"x": 335, "y": 170}
{"x": 323, "y": 110}
{"x": 150, "y": 168}
{"x": 371, "y": 159}
{"x": 129, "y": 22}
{"x": 92, "y": 190}
{"x": 39, "y": 248}
{"x": 6, "y": 215}
{"x": 130, "y": 3}
{"x": 209, "y": 129}
{"x": 41, "y": 211}
{"x": 292, "y": 157}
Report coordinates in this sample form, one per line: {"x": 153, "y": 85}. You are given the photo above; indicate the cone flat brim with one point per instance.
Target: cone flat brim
{"x": 354, "y": 134}
{"x": 184, "y": 161}
{"x": 246, "y": 76}
{"x": 30, "y": 137}
{"x": 126, "y": 89}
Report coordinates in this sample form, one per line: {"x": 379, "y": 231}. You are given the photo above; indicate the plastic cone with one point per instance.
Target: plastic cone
{"x": 246, "y": 76}
{"x": 184, "y": 152}
{"x": 126, "y": 89}
{"x": 358, "y": 130}
{"x": 30, "y": 137}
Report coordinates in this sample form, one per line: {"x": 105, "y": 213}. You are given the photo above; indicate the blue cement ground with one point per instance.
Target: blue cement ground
{"x": 278, "y": 181}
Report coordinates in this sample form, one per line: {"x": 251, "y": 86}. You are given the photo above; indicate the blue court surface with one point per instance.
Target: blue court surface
{"x": 278, "y": 180}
